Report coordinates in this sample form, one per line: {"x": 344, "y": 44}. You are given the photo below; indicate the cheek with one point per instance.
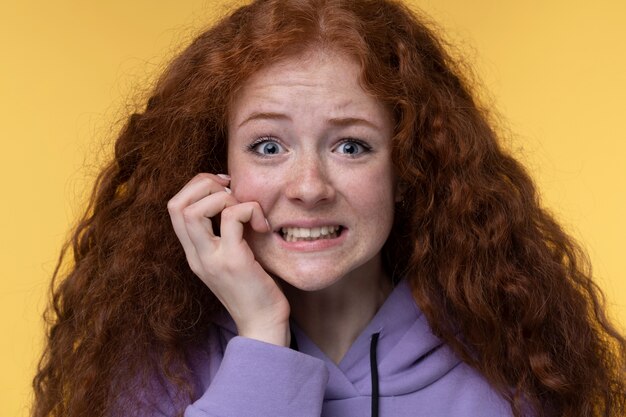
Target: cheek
{"x": 373, "y": 188}
{"x": 250, "y": 185}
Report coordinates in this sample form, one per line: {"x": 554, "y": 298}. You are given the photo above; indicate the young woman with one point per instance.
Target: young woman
{"x": 313, "y": 217}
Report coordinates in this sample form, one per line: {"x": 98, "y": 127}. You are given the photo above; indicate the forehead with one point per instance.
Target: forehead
{"x": 319, "y": 78}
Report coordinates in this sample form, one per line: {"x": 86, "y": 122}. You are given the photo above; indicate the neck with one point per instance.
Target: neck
{"x": 335, "y": 316}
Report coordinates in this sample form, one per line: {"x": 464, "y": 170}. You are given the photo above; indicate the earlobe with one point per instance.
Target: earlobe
{"x": 399, "y": 192}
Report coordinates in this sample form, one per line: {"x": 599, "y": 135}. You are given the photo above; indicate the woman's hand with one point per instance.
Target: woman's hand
{"x": 226, "y": 263}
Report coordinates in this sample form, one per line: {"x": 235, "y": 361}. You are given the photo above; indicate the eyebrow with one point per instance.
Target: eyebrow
{"x": 265, "y": 116}
{"x": 349, "y": 121}
{"x": 335, "y": 121}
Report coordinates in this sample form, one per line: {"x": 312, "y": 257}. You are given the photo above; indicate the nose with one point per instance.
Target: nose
{"x": 309, "y": 183}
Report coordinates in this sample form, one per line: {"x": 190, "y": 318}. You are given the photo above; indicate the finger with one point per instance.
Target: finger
{"x": 201, "y": 186}
{"x": 234, "y": 218}
{"x": 193, "y": 223}
{"x": 197, "y": 220}
{"x": 222, "y": 179}
{"x": 187, "y": 214}
{"x": 197, "y": 188}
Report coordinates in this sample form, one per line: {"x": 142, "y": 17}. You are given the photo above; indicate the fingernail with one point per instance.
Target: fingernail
{"x": 224, "y": 176}
{"x": 268, "y": 224}
{"x": 228, "y": 190}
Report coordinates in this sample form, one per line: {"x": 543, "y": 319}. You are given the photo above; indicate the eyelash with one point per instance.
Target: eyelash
{"x": 263, "y": 139}
{"x": 366, "y": 148}
{"x": 267, "y": 138}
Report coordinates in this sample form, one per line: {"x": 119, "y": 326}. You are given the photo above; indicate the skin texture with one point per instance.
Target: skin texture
{"x": 308, "y": 147}
{"x": 309, "y": 109}
{"x": 494, "y": 273}
{"x": 313, "y": 180}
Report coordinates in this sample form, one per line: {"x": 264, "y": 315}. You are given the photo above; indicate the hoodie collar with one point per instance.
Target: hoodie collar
{"x": 405, "y": 341}
{"x": 410, "y": 357}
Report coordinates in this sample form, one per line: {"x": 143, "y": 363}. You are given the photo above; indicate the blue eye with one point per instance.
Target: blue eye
{"x": 352, "y": 147}
{"x": 267, "y": 147}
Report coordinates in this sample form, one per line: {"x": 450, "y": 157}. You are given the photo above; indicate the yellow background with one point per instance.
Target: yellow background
{"x": 554, "y": 70}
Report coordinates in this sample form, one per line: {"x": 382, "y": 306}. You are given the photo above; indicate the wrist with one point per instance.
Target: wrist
{"x": 278, "y": 334}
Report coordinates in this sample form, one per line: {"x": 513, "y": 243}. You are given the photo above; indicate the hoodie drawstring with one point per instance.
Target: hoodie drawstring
{"x": 293, "y": 344}
{"x": 374, "y": 373}
{"x": 373, "y": 368}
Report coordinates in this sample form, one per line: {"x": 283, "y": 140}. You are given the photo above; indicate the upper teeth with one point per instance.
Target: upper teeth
{"x": 306, "y": 232}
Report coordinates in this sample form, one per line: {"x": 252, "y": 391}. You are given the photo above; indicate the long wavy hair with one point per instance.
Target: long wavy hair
{"x": 496, "y": 276}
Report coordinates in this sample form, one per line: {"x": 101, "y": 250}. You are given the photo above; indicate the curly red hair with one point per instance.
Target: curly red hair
{"x": 496, "y": 276}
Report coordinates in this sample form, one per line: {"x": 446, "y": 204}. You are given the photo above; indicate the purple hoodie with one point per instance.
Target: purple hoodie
{"x": 417, "y": 375}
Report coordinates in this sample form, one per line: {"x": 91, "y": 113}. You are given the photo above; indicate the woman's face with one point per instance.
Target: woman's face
{"x": 314, "y": 150}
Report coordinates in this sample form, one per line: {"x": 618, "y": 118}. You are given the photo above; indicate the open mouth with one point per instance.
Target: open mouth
{"x": 305, "y": 234}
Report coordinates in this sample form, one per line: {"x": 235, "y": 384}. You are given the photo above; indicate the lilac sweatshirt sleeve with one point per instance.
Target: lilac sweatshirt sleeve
{"x": 260, "y": 379}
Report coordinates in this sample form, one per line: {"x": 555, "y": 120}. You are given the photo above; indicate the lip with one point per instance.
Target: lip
{"x": 311, "y": 245}
{"x": 307, "y": 224}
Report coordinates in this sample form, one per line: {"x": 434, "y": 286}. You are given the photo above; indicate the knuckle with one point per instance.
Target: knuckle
{"x": 208, "y": 180}
{"x": 173, "y": 205}
{"x": 251, "y": 205}
{"x": 229, "y": 200}
{"x": 202, "y": 176}
{"x": 195, "y": 266}
{"x": 189, "y": 214}
{"x": 195, "y": 269}
{"x": 229, "y": 213}
{"x": 253, "y": 208}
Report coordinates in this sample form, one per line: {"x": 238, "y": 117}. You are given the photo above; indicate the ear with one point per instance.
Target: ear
{"x": 401, "y": 188}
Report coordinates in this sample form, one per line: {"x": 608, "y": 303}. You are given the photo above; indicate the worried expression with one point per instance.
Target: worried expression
{"x": 314, "y": 150}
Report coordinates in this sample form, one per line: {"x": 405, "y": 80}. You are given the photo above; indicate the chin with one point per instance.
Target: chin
{"x": 307, "y": 281}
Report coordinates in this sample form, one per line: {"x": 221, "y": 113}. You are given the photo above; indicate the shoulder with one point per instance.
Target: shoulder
{"x": 474, "y": 395}
{"x": 154, "y": 394}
